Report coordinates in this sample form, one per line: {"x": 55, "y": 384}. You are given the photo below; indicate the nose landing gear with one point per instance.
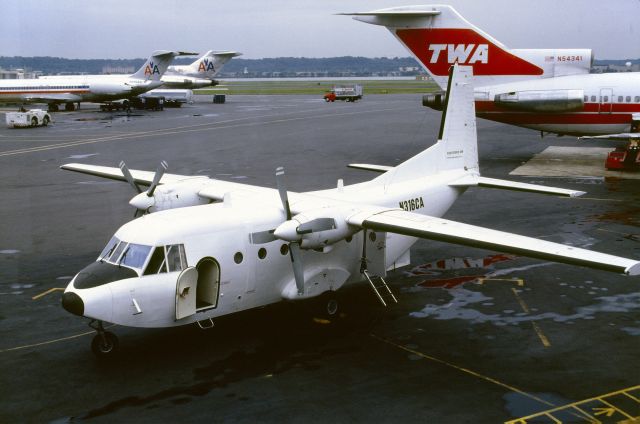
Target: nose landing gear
{"x": 105, "y": 343}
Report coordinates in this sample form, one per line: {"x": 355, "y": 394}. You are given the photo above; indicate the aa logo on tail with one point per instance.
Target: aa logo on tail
{"x": 151, "y": 69}
{"x": 206, "y": 65}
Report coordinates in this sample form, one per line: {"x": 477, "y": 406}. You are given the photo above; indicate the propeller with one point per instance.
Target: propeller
{"x": 129, "y": 177}
{"x": 294, "y": 246}
{"x": 143, "y": 200}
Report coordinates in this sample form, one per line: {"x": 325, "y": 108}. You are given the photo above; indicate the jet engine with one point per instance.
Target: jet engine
{"x": 542, "y": 100}
{"x": 434, "y": 100}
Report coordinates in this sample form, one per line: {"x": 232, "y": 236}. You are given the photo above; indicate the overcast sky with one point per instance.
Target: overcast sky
{"x": 302, "y": 28}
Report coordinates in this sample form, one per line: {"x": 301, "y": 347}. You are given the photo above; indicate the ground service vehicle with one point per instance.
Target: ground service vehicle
{"x": 172, "y": 98}
{"x": 28, "y": 118}
{"x": 349, "y": 93}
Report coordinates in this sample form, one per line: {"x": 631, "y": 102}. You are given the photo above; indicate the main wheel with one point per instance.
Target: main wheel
{"x": 105, "y": 345}
{"x": 45, "y": 121}
{"x": 328, "y": 306}
{"x": 69, "y": 107}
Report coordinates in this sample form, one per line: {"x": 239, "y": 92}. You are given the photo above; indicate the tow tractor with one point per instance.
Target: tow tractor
{"x": 28, "y": 118}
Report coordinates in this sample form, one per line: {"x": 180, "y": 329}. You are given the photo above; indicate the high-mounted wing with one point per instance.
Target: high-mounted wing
{"x": 144, "y": 178}
{"x": 427, "y": 227}
{"x": 620, "y": 137}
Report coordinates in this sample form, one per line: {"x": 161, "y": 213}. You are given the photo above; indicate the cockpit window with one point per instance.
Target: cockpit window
{"x": 170, "y": 258}
{"x": 157, "y": 264}
{"x": 121, "y": 253}
{"x": 109, "y": 248}
{"x": 176, "y": 257}
{"x": 135, "y": 255}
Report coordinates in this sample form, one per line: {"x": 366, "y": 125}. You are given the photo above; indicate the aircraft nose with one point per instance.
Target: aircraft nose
{"x": 73, "y": 303}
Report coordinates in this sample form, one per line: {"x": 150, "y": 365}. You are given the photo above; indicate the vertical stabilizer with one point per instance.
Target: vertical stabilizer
{"x": 156, "y": 65}
{"x": 208, "y": 65}
{"x": 438, "y": 37}
{"x": 457, "y": 146}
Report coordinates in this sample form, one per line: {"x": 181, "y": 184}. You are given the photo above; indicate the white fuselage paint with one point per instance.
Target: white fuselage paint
{"x": 220, "y": 230}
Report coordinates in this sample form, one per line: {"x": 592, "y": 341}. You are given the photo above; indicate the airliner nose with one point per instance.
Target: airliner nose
{"x": 73, "y": 303}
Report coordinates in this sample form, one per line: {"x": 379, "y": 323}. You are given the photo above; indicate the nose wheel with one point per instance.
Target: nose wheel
{"x": 105, "y": 343}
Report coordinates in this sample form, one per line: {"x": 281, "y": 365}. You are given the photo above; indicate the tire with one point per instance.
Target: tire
{"x": 69, "y": 107}
{"x": 45, "y": 121}
{"x": 328, "y": 306}
{"x": 34, "y": 122}
{"x": 102, "y": 349}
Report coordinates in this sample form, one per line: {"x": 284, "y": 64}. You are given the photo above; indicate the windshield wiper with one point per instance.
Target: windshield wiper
{"x": 123, "y": 256}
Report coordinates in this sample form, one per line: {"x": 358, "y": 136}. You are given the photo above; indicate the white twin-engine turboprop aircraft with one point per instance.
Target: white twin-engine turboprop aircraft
{"x": 191, "y": 261}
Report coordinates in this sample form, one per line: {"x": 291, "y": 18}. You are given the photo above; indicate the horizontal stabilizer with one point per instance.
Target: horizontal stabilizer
{"x": 477, "y": 181}
{"x": 368, "y": 167}
{"x": 427, "y": 227}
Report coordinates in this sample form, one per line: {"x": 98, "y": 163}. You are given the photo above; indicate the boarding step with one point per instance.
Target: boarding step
{"x": 376, "y": 289}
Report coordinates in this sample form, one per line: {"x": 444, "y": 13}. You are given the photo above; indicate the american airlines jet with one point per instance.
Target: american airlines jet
{"x": 549, "y": 90}
{"x": 87, "y": 88}
{"x": 198, "y": 74}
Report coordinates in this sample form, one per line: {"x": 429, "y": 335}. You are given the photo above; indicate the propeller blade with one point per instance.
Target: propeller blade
{"x": 315, "y": 225}
{"x": 283, "y": 191}
{"x": 129, "y": 177}
{"x": 157, "y": 177}
{"x": 262, "y": 237}
{"x": 298, "y": 270}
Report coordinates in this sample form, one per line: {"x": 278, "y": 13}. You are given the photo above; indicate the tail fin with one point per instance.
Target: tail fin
{"x": 156, "y": 65}
{"x": 209, "y": 64}
{"x": 457, "y": 146}
{"x": 438, "y": 36}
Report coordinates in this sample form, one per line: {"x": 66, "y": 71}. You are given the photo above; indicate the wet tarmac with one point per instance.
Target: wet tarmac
{"x": 476, "y": 337}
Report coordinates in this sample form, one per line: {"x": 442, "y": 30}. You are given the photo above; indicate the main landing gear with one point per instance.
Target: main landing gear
{"x": 105, "y": 343}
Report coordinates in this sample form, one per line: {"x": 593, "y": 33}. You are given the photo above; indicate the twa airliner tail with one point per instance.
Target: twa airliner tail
{"x": 438, "y": 36}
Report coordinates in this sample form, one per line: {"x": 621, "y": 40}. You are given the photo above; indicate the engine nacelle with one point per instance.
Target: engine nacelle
{"x": 558, "y": 62}
{"x": 542, "y": 100}
{"x": 295, "y": 230}
{"x": 171, "y": 196}
{"x": 434, "y": 100}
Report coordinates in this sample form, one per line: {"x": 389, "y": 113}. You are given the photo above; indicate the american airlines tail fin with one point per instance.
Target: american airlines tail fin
{"x": 208, "y": 65}
{"x": 438, "y": 36}
{"x": 457, "y": 146}
{"x": 156, "y": 65}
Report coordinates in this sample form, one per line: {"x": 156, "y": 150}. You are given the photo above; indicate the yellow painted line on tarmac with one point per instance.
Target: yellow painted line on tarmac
{"x": 463, "y": 369}
{"x": 38, "y": 296}
{"x": 75, "y": 336}
{"x": 608, "y": 409}
{"x": 536, "y": 328}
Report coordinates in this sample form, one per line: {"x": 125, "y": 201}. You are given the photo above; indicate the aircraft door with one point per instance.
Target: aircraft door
{"x": 376, "y": 245}
{"x": 186, "y": 293}
{"x": 606, "y": 98}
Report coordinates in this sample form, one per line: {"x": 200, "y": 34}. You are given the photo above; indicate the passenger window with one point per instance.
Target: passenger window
{"x": 637, "y": 99}
{"x": 606, "y": 99}
{"x": 157, "y": 264}
{"x": 628, "y": 99}
{"x": 620, "y": 99}
{"x": 176, "y": 259}
{"x": 593, "y": 98}
{"x": 586, "y": 99}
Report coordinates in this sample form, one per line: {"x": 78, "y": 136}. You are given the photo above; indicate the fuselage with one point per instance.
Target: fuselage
{"x": 609, "y": 102}
{"x": 74, "y": 88}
